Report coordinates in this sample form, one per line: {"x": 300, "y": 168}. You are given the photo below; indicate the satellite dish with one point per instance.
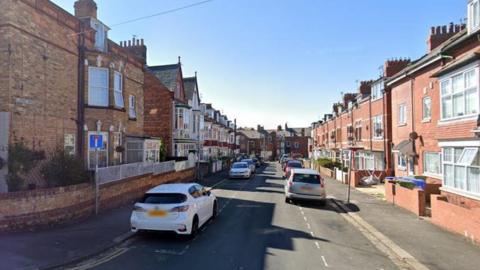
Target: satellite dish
{"x": 413, "y": 135}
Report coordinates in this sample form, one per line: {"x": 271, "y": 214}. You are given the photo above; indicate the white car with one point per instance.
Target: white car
{"x": 240, "y": 170}
{"x": 180, "y": 208}
{"x": 305, "y": 184}
{"x": 251, "y": 164}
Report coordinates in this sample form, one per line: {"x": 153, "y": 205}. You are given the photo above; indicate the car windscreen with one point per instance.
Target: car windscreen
{"x": 295, "y": 165}
{"x": 163, "y": 198}
{"x": 240, "y": 166}
{"x": 306, "y": 178}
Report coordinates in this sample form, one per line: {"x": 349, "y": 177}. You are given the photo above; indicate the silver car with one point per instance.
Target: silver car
{"x": 305, "y": 184}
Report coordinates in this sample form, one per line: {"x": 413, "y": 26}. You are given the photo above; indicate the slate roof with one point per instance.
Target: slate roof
{"x": 167, "y": 74}
{"x": 189, "y": 85}
{"x": 251, "y": 134}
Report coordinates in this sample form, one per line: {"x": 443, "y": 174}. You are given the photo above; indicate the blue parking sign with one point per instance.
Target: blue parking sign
{"x": 96, "y": 141}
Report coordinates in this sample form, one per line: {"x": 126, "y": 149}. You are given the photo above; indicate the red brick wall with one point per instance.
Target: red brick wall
{"x": 411, "y": 199}
{"x": 158, "y": 110}
{"x": 462, "y": 220}
{"x": 47, "y": 207}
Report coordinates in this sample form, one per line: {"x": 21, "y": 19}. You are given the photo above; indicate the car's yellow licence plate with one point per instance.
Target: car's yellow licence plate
{"x": 157, "y": 213}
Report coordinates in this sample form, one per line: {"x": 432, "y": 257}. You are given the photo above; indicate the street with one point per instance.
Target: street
{"x": 256, "y": 229}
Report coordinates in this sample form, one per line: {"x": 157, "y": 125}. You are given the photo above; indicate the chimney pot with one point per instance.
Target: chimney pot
{"x": 129, "y": 43}
{"x": 142, "y": 41}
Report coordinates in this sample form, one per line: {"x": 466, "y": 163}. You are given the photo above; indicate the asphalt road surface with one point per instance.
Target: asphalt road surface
{"x": 256, "y": 229}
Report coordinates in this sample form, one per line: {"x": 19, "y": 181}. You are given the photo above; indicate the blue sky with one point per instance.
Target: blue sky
{"x": 274, "y": 61}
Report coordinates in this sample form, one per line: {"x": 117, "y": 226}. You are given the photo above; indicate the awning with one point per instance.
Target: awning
{"x": 406, "y": 148}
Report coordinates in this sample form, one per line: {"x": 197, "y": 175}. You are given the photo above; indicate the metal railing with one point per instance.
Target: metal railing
{"x": 116, "y": 173}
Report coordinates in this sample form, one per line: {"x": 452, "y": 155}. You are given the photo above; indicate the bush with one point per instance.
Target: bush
{"x": 408, "y": 185}
{"x": 328, "y": 163}
{"x": 62, "y": 169}
{"x": 21, "y": 160}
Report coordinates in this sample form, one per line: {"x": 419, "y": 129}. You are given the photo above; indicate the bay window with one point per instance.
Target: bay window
{"x": 98, "y": 86}
{"x": 118, "y": 89}
{"x": 378, "y": 127}
{"x": 432, "y": 164}
{"x": 461, "y": 167}
{"x": 459, "y": 94}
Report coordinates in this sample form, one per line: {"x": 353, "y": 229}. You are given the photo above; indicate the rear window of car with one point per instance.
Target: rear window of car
{"x": 295, "y": 165}
{"x": 306, "y": 178}
{"x": 164, "y": 198}
{"x": 249, "y": 161}
{"x": 240, "y": 165}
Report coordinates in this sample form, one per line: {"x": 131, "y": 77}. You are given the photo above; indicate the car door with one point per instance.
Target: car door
{"x": 208, "y": 203}
{"x": 203, "y": 213}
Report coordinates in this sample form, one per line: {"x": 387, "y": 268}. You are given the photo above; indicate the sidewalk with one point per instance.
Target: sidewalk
{"x": 52, "y": 248}
{"x": 430, "y": 245}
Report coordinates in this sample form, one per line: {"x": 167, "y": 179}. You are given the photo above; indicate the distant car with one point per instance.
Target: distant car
{"x": 290, "y": 165}
{"x": 180, "y": 208}
{"x": 240, "y": 170}
{"x": 250, "y": 163}
{"x": 305, "y": 184}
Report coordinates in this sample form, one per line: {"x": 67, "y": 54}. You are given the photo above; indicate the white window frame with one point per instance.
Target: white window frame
{"x": 100, "y": 87}
{"x": 400, "y": 165}
{"x": 100, "y": 35}
{"x": 450, "y": 94}
{"x": 132, "y": 107}
{"x": 424, "y": 109}
{"x": 377, "y": 120}
{"x": 432, "y": 174}
{"x": 377, "y": 90}
{"x": 454, "y": 164}
{"x": 118, "y": 90}
{"x": 402, "y": 114}
{"x": 473, "y": 16}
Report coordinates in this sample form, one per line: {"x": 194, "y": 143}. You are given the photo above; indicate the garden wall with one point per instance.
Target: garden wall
{"x": 411, "y": 199}
{"x": 50, "y": 207}
{"x": 455, "y": 218}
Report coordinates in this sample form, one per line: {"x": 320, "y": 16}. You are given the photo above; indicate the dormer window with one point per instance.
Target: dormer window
{"x": 377, "y": 90}
{"x": 100, "y": 35}
{"x": 473, "y": 15}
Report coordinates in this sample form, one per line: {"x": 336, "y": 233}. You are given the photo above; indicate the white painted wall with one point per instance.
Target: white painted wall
{"x": 4, "y": 131}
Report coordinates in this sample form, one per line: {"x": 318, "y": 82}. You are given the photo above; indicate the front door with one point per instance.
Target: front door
{"x": 4, "y": 135}
{"x": 411, "y": 166}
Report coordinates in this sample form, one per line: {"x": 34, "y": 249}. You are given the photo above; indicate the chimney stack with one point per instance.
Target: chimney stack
{"x": 85, "y": 8}
{"x": 394, "y": 66}
{"x": 136, "y": 47}
{"x": 279, "y": 128}
{"x": 440, "y": 34}
{"x": 365, "y": 88}
{"x": 347, "y": 98}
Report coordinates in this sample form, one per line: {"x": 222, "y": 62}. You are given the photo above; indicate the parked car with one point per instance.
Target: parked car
{"x": 250, "y": 163}
{"x": 180, "y": 208}
{"x": 240, "y": 170}
{"x": 290, "y": 165}
{"x": 305, "y": 184}
{"x": 283, "y": 158}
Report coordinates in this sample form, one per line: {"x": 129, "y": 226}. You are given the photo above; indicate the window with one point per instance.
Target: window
{"x": 100, "y": 35}
{"x": 134, "y": 150}
{"x": 473, "y": 15}
{"x": 402, "y": 114}
{"x": 358, "y": 131}
{"x": 377, "y": 127}
{"x": 288, "y": 144}
{"x": 98, "y": 86}
{"x": 401, "y": 162}
{"x": 132, "y": 109}
{"x": 152, "y": 150}
{"x": 296, "y": 145}
{"x": 118, "y": 89}
{"x": 461, "y": 169}
{"x": 377, "y": 90}
{"x": 459, "y": 95}
{"x": 97, "y": 145}
{"x": 372, "y": 161}
{"x": 432, "y": 163}
{"x": 427, "y": 108}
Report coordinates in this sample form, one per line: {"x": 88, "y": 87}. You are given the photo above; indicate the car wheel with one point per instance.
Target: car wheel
{"x": 194, "y": 230}
{"x": 287, "y": 200}
{"x": 215, "y": 210}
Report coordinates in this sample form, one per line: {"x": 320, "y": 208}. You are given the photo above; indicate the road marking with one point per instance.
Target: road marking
{"x": 324, "y": 261}
{"x": 96, "y": 262}
{"x": 397, "y": 255}
{"x": 304, "y": 217}
{"x": 317, "y": 245}
{"x": 312, "y": 234}
{"x": 302, "y": 212}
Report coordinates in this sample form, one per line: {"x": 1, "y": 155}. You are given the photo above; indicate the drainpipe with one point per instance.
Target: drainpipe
{"x": 412, "y": 83}
{"x": 80, "y": 92}
{"x": 370, "y": 119}
{"x": 384, "y": 123}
